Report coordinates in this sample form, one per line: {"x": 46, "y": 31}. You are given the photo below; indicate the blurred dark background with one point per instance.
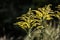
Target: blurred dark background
{"x": 10, "y": 9}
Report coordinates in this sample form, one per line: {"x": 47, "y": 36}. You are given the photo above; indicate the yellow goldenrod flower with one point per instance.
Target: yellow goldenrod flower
{"x": 38, "y": 13}
{"x": 30, "y": 19}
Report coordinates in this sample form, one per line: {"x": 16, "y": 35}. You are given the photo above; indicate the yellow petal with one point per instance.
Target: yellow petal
{"x": 38, "y": 13}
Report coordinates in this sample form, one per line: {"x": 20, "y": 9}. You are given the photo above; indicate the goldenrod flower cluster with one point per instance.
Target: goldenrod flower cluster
{"x": 31, "y": 19}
